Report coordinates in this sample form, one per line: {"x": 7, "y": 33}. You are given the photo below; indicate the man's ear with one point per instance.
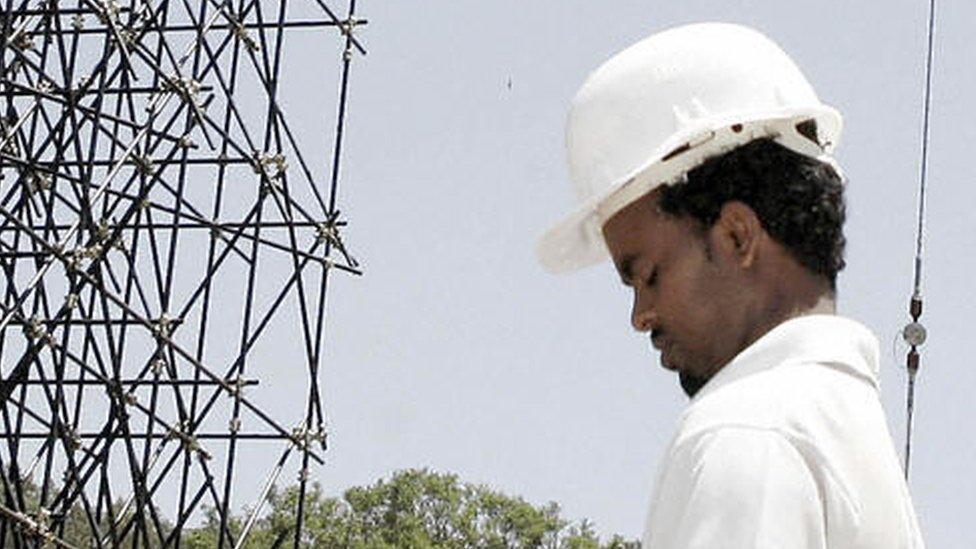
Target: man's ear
{"x": 739, "y": 233}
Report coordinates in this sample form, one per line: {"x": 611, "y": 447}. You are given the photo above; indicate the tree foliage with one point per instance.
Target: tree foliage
{"x": 415, "y": 509}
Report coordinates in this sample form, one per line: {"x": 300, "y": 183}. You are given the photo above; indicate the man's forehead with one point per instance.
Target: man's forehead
{"x": 641, "y": 213}
{"x": 637, "y": 225}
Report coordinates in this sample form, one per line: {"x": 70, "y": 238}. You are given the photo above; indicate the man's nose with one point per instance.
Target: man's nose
{"x": 642, "y": 317}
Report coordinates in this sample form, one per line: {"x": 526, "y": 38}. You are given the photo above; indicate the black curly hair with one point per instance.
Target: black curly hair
{"x": 799, "y": 200}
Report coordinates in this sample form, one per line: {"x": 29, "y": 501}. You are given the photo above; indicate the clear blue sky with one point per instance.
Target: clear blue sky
{"x": 457, "y": 352}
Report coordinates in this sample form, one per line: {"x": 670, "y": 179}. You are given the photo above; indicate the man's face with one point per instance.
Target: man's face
{"x": 684, "y": 295}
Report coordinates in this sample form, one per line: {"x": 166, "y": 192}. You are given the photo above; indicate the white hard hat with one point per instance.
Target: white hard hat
{"x": 662, "y": 107}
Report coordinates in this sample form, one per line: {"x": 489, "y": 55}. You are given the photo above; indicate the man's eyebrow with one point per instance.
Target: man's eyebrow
{"x": 624, "y": 267}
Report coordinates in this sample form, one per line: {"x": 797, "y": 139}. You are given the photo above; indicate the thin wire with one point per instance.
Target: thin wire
{"x": 915, "y": 308}
{"x": 925, "y": 151}
{"x": 910, "y": 409}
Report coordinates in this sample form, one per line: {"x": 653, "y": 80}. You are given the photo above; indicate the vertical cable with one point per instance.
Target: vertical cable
{"x": 914, "y": 333}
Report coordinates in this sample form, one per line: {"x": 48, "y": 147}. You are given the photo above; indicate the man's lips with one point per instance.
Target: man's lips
{"x": 661, "y": 343}
{"x": 657, "y": 339}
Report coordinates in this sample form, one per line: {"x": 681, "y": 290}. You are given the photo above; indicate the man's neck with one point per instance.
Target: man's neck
{"x": 814, "y": 301}
{"x": 824, "y": 304}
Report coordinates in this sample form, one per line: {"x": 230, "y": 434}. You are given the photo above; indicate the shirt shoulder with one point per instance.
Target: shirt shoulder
{"x": 822, "y": 413}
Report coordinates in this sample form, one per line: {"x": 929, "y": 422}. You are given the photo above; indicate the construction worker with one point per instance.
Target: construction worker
{"x": 701, "y": 156}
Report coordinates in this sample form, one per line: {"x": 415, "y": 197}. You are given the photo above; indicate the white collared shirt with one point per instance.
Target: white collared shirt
{"x": 787, "y": 447}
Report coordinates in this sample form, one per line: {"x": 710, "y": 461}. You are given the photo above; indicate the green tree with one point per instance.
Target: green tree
{"x": 414, "y": 509}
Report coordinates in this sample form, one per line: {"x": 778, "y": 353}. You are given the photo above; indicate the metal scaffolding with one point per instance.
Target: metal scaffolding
{"x": 166, "y": 251}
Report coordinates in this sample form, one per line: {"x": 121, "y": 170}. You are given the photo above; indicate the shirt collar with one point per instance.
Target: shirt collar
{"x": 840, "y": 341}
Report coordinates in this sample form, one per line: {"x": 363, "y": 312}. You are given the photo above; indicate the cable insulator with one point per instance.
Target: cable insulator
{"x": 912, "y": 361}
{"x": 915, "y": 308}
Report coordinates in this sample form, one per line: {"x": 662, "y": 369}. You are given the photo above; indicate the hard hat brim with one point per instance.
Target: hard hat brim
{"x": 577, "y": 240}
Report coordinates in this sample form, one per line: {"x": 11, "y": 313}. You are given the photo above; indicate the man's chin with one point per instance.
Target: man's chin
{"x": 690, "y": 383}
{"x": 666, "y": 361}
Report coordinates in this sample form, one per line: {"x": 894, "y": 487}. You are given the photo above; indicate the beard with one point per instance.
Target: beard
{"x": 691, "y": 383}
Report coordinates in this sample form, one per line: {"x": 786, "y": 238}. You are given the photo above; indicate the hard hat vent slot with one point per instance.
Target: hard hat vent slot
{"x": 808, "y": 129}
{"x": 676, "y": 152}
{"x": 694, "y": 142}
